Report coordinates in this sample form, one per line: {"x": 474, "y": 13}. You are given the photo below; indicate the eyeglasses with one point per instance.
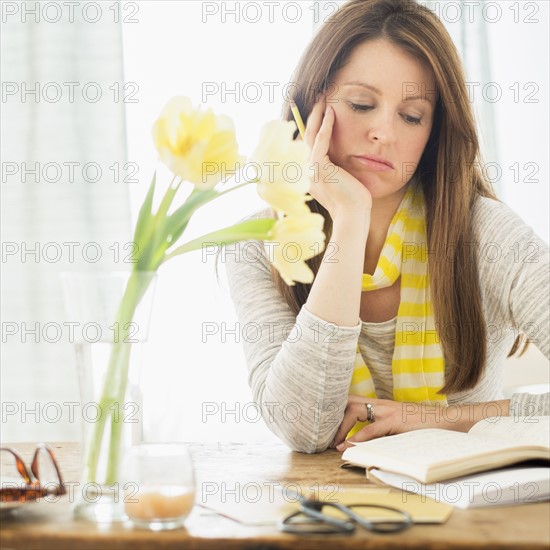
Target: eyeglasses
{"x": 310, "y": 519}
{"x": 33, "y": 488}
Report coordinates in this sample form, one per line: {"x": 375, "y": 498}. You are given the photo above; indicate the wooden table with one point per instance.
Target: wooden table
{"x": 52, "y": 525}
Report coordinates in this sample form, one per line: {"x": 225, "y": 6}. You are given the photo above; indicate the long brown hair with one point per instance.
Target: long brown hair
{"x": 449, "y": 170}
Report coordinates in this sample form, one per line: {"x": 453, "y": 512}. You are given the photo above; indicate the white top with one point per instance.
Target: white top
{"x": 300, "y": 367}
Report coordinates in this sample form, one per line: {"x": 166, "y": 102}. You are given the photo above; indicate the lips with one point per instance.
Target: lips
{"x": 376, "y": 158}
{"x": 374, "y": 163}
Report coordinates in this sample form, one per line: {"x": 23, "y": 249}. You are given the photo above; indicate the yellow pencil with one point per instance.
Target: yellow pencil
{"x": 298, "y": 118}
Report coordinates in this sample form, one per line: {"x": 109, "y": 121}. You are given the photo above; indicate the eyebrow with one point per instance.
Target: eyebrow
{"x": 377, "y": 91}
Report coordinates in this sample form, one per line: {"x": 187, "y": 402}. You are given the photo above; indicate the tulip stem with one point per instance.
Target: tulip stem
{"x": 237, "y": 187}
{"x": 115, "y": 383}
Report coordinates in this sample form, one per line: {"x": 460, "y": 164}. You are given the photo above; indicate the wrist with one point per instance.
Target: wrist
{"x": 352, "y": 223}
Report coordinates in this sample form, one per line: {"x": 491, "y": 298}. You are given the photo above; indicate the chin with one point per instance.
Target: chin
{"x": 377, "y": 188}
{"x": 372, "y": 183}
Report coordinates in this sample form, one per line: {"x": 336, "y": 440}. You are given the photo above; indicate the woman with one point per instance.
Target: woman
{"x": 409, "y": 318}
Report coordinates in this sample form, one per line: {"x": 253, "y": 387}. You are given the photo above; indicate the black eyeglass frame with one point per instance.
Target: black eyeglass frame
{"x": 313, "y": 510}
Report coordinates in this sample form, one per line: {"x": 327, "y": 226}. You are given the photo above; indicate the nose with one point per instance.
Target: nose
{"x": 382, "y": 128}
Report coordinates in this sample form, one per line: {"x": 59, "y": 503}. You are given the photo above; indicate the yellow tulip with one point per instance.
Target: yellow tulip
{"x": 200, "y": 147}
{"x": 282, "y": 168}
{"x": 293, "y": 240}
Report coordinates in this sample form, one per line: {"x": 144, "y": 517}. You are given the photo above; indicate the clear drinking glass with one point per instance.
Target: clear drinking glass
{"x": 159, "y": 485}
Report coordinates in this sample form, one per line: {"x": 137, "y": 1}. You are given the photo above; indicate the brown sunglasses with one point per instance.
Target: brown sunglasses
{"x": 32, "y": 489}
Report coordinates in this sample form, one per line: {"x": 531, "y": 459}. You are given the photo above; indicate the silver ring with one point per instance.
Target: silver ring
{"x": 370, "y": 413}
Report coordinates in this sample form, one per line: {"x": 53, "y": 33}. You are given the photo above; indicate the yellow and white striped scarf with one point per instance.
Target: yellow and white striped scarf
{"x": 418, "y": 367}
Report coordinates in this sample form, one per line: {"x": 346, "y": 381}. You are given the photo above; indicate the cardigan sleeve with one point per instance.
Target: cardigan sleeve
{"x": 514, "y": 268}
{"x": 299, "y": 366}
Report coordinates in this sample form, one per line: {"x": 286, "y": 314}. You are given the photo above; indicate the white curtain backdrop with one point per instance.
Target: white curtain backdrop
{"x": 68, "y": 212}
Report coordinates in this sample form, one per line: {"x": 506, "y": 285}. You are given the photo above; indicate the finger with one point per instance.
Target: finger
{"x": 375, "y": 401}
{"x": 314, "y": 121}
{"x": 351, "y": 399}
{"x": 349, "y": 420}
{"x": 358, "y": 399}
{"x": 372, "y": 431}
{"x": 322, "y": 140}
{"x": 361, "y": 409}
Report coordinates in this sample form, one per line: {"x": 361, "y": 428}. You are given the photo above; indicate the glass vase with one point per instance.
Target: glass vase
{"x": 111, "y": 313}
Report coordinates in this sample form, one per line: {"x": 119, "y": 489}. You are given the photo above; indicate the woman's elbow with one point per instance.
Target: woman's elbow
{"x": 299, "y": 444}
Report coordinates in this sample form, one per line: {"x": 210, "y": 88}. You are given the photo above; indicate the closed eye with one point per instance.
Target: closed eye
{"x": 411, "y": 119}
{"x": 361, "y": 108}
{"x": 364, "y": 108}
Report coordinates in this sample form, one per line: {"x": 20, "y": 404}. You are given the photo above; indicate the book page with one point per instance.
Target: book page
{"x": 421, "y": 449}
{"x": 533, "y": 430}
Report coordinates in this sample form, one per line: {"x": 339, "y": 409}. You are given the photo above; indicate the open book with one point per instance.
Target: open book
{"x": 430, "y": 455}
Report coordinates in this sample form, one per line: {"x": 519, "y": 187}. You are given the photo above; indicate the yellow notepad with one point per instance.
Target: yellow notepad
{"x": 271, "y": 507}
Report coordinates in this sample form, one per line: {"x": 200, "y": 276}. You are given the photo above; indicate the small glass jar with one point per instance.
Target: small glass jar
{"x": 159, "y": 485}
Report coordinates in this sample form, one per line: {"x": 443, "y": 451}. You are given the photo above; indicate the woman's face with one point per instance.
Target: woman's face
{"x": 383, "y": 101}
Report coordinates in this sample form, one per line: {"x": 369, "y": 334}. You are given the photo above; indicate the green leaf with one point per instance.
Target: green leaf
{"x": 154, "y": 243}
{"x": 178, "y": 221}
{"x": 167, "y": 200}
{"x": 251, "y": 229}
{"x": 172, "y": 227}
{"x": 143, "y": 224}
{"x": 161, "y": 217}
